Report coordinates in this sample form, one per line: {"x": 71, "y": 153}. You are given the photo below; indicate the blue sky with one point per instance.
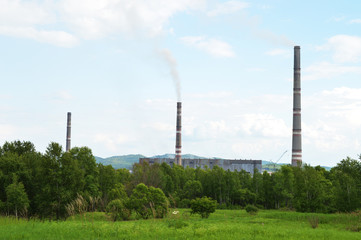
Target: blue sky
{"x": 112, "y": 63}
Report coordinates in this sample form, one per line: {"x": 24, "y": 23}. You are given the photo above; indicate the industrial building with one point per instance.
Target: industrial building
{"x": 226, "y": 164}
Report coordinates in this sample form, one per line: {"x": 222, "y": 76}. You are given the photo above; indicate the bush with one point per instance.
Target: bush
{"x": 203, "y": 206}
{"x": 313, "y": 220}
{"x": 184, "y": 203}
{"x": 149, "y": 201}
{"x": 251, "y": 209}
{"x": 175, "y": 220}
{"x": 117, "y": 210}
{"x": 158, "y": 202}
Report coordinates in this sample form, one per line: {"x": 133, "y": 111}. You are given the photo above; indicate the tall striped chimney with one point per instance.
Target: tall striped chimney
{"x": 178, "y": 142}
{"x": 296, "y": 131}
{"x": 68, "y": 132}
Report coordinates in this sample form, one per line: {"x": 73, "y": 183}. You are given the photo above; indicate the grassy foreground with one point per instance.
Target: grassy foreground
{"x": 223, "y": 224}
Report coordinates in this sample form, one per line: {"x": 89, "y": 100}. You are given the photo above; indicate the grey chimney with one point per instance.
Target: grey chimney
{"x": 178, "y": 143}
{"x": 68, "y": 133}
{"x": 296, "y": 131}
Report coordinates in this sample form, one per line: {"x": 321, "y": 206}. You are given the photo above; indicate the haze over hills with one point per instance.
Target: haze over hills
{"x": 127, "y": 161}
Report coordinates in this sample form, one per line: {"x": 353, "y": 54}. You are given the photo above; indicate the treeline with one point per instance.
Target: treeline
{"x": 305, "y": 189}
{"x": 40, "y": 185}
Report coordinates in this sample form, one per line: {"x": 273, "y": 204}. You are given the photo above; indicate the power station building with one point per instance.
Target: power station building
{"x": 226, "y": 164}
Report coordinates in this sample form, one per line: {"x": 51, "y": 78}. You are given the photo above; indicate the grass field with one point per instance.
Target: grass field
{"x": 223, "y": 224}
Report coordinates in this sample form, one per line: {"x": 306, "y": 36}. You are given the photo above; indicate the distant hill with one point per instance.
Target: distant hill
{"x": 125, "y": 161}
{"x": 186, "y": 156}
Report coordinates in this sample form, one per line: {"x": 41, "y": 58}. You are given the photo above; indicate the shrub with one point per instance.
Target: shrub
{"x": 203, "y": 206}
{"x": 354, "y": 228}
{"x": 175, "y": 220}
{"x": 118, "y": 192}
{"x": 158, "y": 202}
{"x": 184, "y": 203}
{"x": 148, "y": 201}
{"x": 313, "y": 220}
{"x": 251, "y": 209}
{"x": 118, "y": 210}
{"x": 140, "y": 201}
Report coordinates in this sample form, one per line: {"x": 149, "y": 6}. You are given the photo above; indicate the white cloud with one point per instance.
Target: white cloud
{"x": 273, "y": 38}
{"x": 24, "y": 13}
{"x": 344, "y": 92}
{"x": 7, "y": 131}
{"x": 323, "y": 136}
{"x": 227, "y": 8}
{"x": 265, "y": 125}
{"x": 57, "y": 38}
{"x": 344, "y": 104}
{"x": 63, "y": 95}
{"x": 112, "y": 142}
{"x": 214, "y": 47}
{"x": 358, "y": 21}
{"x": 259, "y": 149}
{"x": 331, "y": 120}
{"x": 278, "y": 52}
{"x": 256, "y": 69}
{"x": 27, "y": 20}
{"x": 88, "y": 19}
{"x": 326, "y": 70}
{"x": 160, "y": 126}
{"x": 345, "y": 48}
{"x": 95, "y": 19}
{"x": 209, "y": 95}
{"x": 261, "y": 126}
{"x": 338, "y": 19}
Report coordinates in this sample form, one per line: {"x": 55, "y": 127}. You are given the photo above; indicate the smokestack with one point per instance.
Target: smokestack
{"x": 296, "y": 131}
{"x": 68, "y": 132}
{"x": 178, "y": 143}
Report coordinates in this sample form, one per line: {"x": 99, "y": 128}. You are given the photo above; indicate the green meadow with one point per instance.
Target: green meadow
{"x": 223, "y": 224}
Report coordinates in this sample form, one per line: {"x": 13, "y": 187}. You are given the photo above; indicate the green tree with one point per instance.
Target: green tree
{"x": 60, "y": 179}
{"x": 346, "y": 179}
{"x": 192, "y": 189}
{"x": 139, "y": 201}
{"x": 148, "y": 201}
{"x": 107, "y": 181}
{"x": 203, "y": 206}
{"x": 158, "y": 202}
{"x": 268, "y": 190}
{"x": 118, "y": 192}
{"x": 118, "y": 210}
{"x": 312, "y": 190}
{"x": 17, "y": 200}
{"x": 90, "y": 172}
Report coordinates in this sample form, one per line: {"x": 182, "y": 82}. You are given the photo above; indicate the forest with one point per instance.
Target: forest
{"x": 44, "y": 185}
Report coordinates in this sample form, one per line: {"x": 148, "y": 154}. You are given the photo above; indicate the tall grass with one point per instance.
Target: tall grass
{"x": 223, "y": 224}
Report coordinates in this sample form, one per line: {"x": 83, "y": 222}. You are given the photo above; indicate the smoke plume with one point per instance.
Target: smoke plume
{"x": 172, "y": 63}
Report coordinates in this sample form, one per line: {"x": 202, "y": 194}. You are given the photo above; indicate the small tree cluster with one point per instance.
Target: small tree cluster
{"x": 146, "y": 202}
{"x": 118, "y": 210}
{"x": 203, "y": 206}
{"x": 17, "y": 200}
{"x": 251, "y": 209}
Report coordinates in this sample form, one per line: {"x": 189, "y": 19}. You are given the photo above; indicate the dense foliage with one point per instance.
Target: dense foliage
{"x": 251, "y": 209}
{"x": 49, "y": 185}
{"x": 203, "y": 206}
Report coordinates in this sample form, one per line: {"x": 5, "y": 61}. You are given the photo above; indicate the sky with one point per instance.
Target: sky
{"x": 120, "y": 66}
